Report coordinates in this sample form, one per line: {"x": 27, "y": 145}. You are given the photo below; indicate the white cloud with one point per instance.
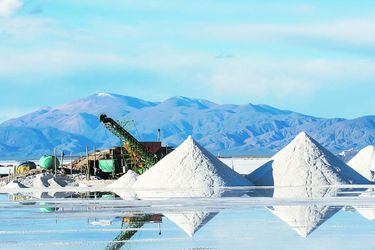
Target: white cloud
{"x": 53, "y": 62}
{"x": 286, "y": 77}
{"x": 240, "y": 74}
{"x": 8, "y": 7}
{"x": 349, "y": 31}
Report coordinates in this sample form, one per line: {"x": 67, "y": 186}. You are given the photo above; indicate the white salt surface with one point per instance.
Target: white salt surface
{"x": 13, "y": 185}
{"x": 364, "y": 163}
{"x": 304, "y": 162}
{"x": 48, "y": 180}
{"x": 126, "y": 181}
{"x": 123, "y": 186}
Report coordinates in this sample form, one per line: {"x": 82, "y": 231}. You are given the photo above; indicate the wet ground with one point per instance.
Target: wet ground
{"x": 281, "y": 218}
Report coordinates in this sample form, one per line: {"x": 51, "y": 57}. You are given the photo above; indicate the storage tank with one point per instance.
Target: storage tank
{"x": 48, "y": 162}
{"x": 25, "y": 167}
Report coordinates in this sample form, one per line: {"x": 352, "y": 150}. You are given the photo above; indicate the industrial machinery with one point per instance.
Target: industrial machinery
{"x": 138, "y": 156}
{"x": 25, "y": 167}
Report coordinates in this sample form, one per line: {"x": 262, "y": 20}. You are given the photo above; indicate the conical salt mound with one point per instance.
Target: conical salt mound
{"x": 364, "y": 163}
{"x": 123, "y": 186}
{"x": 304, "y": 162}
{"x": 126, "y": 181}
{"x": 189, "y": 171}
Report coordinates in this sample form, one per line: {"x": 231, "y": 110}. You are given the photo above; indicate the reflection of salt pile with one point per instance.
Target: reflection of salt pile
{"x": 367, "y": 211}
{"x": 122, "y": 186}
{"x": 364, "y": 163}
{"x": 304, "y": 162}
{"x": 189, "y": 171}
{"x": 299, "y": 171}
{"x": 190, "y": 222}
{"x": 49, "y": 181}
{"x": 304, "y": 219}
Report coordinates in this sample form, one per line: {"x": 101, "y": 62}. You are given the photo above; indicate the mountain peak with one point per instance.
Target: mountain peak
{"x": 103, "y": 94}
{"x": 111, "y": 104}
{"x": 182, "y": 101}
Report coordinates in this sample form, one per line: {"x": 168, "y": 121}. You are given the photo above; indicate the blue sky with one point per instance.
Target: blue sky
{"x": 314, "y": 57}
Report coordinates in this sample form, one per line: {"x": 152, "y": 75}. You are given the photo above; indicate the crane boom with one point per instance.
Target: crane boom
{"x": 143, "y": 159}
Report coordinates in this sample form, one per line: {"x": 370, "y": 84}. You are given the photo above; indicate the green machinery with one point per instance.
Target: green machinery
{"x": 139, "y": 157}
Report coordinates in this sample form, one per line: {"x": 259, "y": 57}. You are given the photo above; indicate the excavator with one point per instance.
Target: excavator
{"x": 140, "y": 156}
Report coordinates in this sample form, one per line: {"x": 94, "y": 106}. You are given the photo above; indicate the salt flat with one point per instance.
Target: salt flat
{"x": 96, "y": 219}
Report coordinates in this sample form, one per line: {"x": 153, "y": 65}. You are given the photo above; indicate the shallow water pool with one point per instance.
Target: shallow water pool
{"x": 330, "y": 218}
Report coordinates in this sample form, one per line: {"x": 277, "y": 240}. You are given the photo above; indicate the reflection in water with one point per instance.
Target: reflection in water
{"x": 366, "y": 211}
{"x": 45, "y": 207}
{"x": 189, "y": 216}
{"x": 130, "y": 226}
{"x": 190, "y": 222}
{"x": 304, "y": 219}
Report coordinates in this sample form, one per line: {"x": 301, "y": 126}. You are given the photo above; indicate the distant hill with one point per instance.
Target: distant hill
{"x": 225, "y": 129}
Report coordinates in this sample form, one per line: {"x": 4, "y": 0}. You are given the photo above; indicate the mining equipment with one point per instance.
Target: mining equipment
{"x": 25, "y": 167}
{"x": 135, "y": 155}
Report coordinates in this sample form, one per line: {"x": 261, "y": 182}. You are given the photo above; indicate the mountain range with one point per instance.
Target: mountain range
{"x": 225, "y": 129}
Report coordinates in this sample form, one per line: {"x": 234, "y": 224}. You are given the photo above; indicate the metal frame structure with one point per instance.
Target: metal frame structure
{"x": 140, "y": 158}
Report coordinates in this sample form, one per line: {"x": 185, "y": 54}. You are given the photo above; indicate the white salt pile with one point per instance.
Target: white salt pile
{"x": 126, "y": 181}
{"x": 14, "y": 185}
{"x": 189, "y": 171}
{"x": 304, "y": 162}
{"x": 48, "y": 180}
{"x": 300, "y": 170}
{"x": 364, "y": 163}
{"x": 123, "y": 186}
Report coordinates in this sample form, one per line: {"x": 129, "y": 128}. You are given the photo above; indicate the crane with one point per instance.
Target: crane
{"x": 141, "y": 158}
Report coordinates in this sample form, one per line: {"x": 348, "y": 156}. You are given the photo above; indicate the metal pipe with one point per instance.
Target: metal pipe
{"x": 55, "y": 160}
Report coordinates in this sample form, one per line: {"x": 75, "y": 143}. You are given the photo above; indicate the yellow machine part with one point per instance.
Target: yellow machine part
{"x": 154, "y": 218}
{"x": 23, "y": 169}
